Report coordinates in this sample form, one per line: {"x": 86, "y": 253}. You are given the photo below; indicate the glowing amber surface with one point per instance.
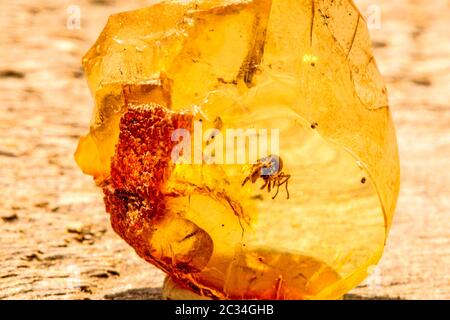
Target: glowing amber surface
{"x": 304, "y": 67}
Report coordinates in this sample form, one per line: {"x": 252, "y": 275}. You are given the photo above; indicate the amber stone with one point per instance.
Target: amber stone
{"x": 310, "y": 229}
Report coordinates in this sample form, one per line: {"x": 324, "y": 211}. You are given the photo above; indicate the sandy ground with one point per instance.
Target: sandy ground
{"x": 55, "y": 238}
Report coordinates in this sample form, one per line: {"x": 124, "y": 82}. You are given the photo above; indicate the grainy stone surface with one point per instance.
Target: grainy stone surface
{"x": 55, "y": 237}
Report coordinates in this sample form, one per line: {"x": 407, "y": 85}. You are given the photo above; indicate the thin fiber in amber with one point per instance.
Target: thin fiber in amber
{"x": 304, "y": 67}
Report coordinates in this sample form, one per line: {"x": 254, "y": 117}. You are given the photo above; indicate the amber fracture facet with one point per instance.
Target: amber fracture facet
{"x": 301, "y": 68}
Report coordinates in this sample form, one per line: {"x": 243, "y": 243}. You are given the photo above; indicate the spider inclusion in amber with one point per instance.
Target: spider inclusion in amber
{"x": 309, "y": 229}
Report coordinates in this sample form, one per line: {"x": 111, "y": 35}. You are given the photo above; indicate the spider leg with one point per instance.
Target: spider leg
{"x": 276, "y": 183}
{"x": 286, "y": 182}
{"x": 265, "y": 184}
{"x": 287, "y": 191}
{"x": 245, "y": 181}
{"x": 255, "y": 175}
{"x": 252, "y": 176}
{"x": 278, "y": 189}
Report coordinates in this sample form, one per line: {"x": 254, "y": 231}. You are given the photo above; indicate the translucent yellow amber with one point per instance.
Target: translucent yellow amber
{"x": 303, "y": 67}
